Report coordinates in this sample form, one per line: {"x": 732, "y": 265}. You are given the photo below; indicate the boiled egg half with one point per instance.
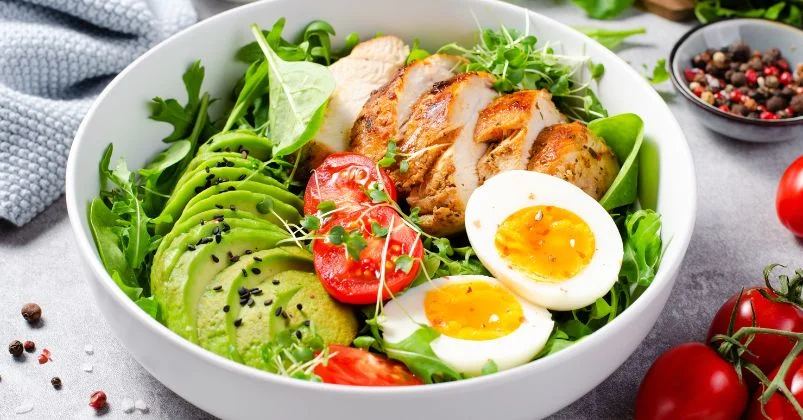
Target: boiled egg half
{"x": 544, "y": 238}
{"x": 478, "y": 319}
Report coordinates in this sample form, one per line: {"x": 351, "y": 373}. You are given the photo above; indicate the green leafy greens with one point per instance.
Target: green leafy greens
{"x": 659, "y": 73}
{"x": 299, "y": 92}
{"x": 624, "y": 134}
{"x": 611, "y": 39}
{"x": 517, "y": 62}
{"x": 787, "y": 11}
{"x": 604, "y": 9}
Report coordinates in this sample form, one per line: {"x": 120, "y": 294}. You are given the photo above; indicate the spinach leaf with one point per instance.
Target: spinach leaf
{"x": 256, "y": 83}
{"x": 299, "y": 92}
{"x": 314, "y": 44}
{"x": 611, "y": 39}
{"x": 604, "y": 9}
{"x": 783, "y": 11}
{"x": 415, "y": 352}
{"x": 624, "y": 134}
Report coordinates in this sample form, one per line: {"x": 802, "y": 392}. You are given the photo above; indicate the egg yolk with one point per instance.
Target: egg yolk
{"x": 549, "y": 244}
{"x": 473, "y": 311}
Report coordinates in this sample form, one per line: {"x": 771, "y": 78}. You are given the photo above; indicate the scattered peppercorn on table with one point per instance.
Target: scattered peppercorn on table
{"x": 737, "y": 233}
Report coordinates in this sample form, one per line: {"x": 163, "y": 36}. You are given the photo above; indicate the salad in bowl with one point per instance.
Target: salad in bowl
{"x": 401, "y": 215}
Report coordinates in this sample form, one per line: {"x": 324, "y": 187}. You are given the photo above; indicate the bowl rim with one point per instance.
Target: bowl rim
{"x": 674, "y": 248}
{"x": 677, "y": 79}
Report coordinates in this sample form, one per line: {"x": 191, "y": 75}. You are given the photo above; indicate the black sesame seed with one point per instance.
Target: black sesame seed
{"x": 250, "y": 301}
{"x": 275, "y": 282}
{"x": 257, "y": 259}
{"x": 242, "y": 291}
{"x": 228, "y": 149}
{"x": 191, "y": 247}
{"x": 284, "y": 315}
{"x": 243, "y": 301}
{"x": 245, "y": 273}
{"x": 256, "y": 291}
{"x": 216, "y": 230}
{"x": 268, "y": 302}
{"x": 299, "y": 306}
{"x": 215, "y": 258}
{"x": 278, "y": 311}
{"x": 210, "y": 177}
{"x": 226, "y": 227}
{"x": 217, "y": 150}
{"x": 226, "y": 308}
{"x": 219, "y": 217}
{"x": 248, "y": 252}
{"x": 298, "y": 334}
{"x": 219, "y": 206}
{"x": 230, "y": 164}
{"x": 202, "y": 222}
{"x": 234, "y": 258}
{"x": 199, "y": 189}
{"x": 238, "y": 322}
{"x": 231, "y": 188}
{"x": 307, "y": 323}
{"x": 256, "y": 270}
{"x": 242, "y": 177}
{"x": 231, "y": 207}
{"x": 206, "y": 169}
{"x": 218, "y": 288}
{"x": 218, "y": 238}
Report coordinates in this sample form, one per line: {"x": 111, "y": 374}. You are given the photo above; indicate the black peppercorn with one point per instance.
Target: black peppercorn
{"x": 56, "y": 382}
{"x": 797, "y": 104}
{"x": 15, "y": 348}
{"x": 31, "y": 312}
{"x": 738, "y": 78}
{"x": 776, "y": 103}
{"x": 739, "y": 51}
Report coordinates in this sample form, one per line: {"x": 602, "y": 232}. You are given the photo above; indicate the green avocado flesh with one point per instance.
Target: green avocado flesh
{"x": 178, "y": 290}
{"x": 226, "y": 221}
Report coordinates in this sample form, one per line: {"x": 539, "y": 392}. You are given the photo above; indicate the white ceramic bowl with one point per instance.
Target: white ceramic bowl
{"x": 234, "y": 391}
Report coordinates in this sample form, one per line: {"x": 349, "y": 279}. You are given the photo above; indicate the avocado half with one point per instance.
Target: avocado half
{"x": 224, "y": 226}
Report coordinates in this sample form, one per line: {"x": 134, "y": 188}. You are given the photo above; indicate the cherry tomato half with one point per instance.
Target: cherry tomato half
{"x": 344, "y": 178}
{"x": 778, "y": 407}
{"x": 691, "y": 381}
{"x": 356, "y": 281}
{"x": 768, "y": 351}
{"x": 789, "y": 201}
{"x": 352, "y": 366}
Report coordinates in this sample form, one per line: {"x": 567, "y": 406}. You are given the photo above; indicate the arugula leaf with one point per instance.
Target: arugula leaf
{"x": 624, "y": 134}
{"x": 415, "y": 352}
{"x": 150, "y": 306}
{"x": 643, "y": 247}
{"x": 256, "y": 82}
{"x": 659, "y": 72}
{"x": 611, "y": 39}
{"x": 104, "y": 225}
{"x": 170, "y": 111}
{"x": 314, "y": 44}
{"x": 489, "y": 367}
{"x": 604, "y": 9}
{"x": 299, "y": 92}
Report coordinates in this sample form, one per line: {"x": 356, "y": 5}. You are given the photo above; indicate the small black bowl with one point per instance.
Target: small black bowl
{"x": 760, "y": 35}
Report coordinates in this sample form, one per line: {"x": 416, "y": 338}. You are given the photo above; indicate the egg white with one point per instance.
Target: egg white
{"x": 508, "y": 192}
{"x": 405, "y": 314}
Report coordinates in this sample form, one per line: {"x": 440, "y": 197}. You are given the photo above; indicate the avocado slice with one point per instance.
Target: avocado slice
{"x": 204, "y": 184}
{"x": 238, "y": 141}
{"x": 259, "y": 204}
{"x": 215, "y": 327}
{"x": 170, "y": 249}
{"x": 334, "y": 322}
{"x": 181, "y": 287}
{"x": 218, "y": 160}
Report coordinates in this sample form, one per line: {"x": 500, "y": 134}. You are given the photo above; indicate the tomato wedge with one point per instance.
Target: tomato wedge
{"x": 352, "y": 366}
{"x": 344, "y": 179}
{"x": 354, "y": 278}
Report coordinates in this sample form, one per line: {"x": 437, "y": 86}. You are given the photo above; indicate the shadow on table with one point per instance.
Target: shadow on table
{"x": 17, "y": 236}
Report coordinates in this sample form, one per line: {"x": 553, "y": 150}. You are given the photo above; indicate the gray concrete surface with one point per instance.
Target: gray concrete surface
{"x": 737, "y": 234}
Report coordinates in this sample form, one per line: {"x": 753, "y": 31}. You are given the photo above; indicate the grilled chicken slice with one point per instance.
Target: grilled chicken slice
{"x": 510, "y": 125}
{"x": 443, "y": 156}
{"x": 571, "y": 152}
{"x": 383, "y": 116}
{"x": 370, "y": 66}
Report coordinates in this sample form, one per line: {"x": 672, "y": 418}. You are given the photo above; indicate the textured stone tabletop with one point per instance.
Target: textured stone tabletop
{"x": 737, "y": 233}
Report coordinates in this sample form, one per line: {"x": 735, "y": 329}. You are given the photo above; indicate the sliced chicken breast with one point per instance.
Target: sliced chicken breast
{"x": 510, "y": 125}
{"x": 573, "y": 153}
{"x": 370, "y": 65}
{"x": 388, "y": 108}
{"x": 439, "y": 138}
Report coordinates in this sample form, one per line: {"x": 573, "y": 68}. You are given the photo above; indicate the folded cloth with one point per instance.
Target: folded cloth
{"x": 55, "y": 57}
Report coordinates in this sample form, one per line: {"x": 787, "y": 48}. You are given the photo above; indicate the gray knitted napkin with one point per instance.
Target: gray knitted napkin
{"x": 55, "y": 57}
